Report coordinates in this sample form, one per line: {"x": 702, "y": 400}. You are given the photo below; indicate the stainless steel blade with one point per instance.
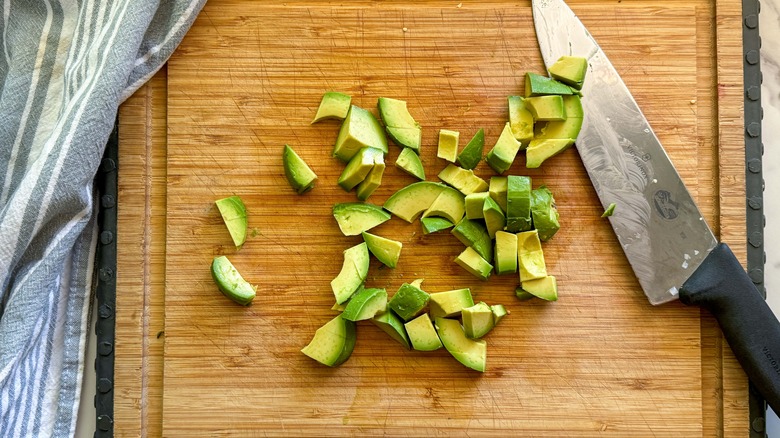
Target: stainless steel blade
{"x": 661, "y": 230}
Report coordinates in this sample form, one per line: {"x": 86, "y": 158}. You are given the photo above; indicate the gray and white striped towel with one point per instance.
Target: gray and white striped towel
{"x": 65, "y": 67}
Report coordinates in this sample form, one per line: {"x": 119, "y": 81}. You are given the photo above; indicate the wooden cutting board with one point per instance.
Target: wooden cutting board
{"x": 247, "y": 79}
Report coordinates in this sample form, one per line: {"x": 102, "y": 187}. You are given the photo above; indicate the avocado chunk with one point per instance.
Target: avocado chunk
{"x": 450, "y": 303}
{"x": 544, "y": 213}
{"x": 393, "y": 326}
{"x": 462, "y": 179}
{"x": 422, "y": 334}
{"x": 570, "y": 70}
{"x": 475, "y": 235}
{"x": 298, "y": 173}
{"x": 497, "y": 189}
{"x": 506, "y": 253}
{"x": 385, "y": 250}
{"x": 538, "y": 85}
{"x": 355, "y": 217}
{"x": 547, "y": 108}
{"x": 471, "y": 155}
{"x": 545, "y": 288}
{"x": 471, "y": 353}
{"x": 472, "y": 262}
{"x": 569, "y": 128}
{"x": 411, "y": 201}
{"x": 474, "y": 204}
{"x": 409, "y": 162}
{"x": 353, "y": 273}
{"x": 366, "y": 304}
{"x": 409, "y": 301}
{"x": 522, "y": 295}
{"x": 499, "y": 312}
{"x": 503, "y": 154}
{"x": 233, "y": 214}
{"x": 333, "y": 342}
{"x": 494, "y": 217}
{"x": 334, "y": 105}
{"x": 434, "y": 224}
{"x": 448, "y": 145}
{"x": 518, "y": 203}
{"x": 230, "y": 282}
{"x": 360, "y": 129}
{"x": 540, "y": 150}
{"x": 609, "y": 210}
{"x": 521, "y": 121}
{"x": 399, "y": 124}
{"x": 530, "y": 257}
{"x": 359, "y": 166}
{"x": 477, "y": 320}
{"x": 449, "y": 205}
{"x": 373, "y": 180}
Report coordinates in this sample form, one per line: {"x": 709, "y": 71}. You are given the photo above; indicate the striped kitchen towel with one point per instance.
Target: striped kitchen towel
{"x": 65, "y": 67}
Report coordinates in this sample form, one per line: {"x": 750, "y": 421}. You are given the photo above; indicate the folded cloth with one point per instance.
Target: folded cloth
{"x": 64, "y": 69}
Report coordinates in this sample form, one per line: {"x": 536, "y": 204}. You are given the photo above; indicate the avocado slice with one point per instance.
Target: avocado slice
{"x": 499, "y": 312}
{"x": 544, "y": 213}
{"x": 474, "y": 234}
{"x": 545, "y": 288}
{"x": 477, "y": 320}
{"x": 449, "y": 205}
{"x": 422, "y": 334}
{"x": 497, "y": 189}
{"x": 521, "y": 121}
{"x": 230, "y": 282}
{"x": 538, "y": 85}
{"x": 298, "y": 173}
{"x": 373, "y": 180}
{"x": 570, "y": 70}
{"x": 434, "y": 224}
{"x": 494, "y": 217}
{"x": 609, "y": 210}
{"x": 409, "y": 301}
{"x": 547, "y": 108}
{"x": 358, "y": 167}
{"x": 355, "y": 217}
{"x": 448, "y": 145}
{"x": 474, "y": 204}
{"x": 471, "y": 261}
{"x": 518, "y": 203}
{"x": 333, "y": 342}
{"x": 385, "y": 250}
{"x": 471, "y": 353}
{"x": 462, "y": 179}
{"x": 334, "y": 105}
{"x": 530, "y": 257}
{"x": 503, "y": 154}
{"x": 409, "y": 202}
{"x": 393, "y": 326}
{"x": 471, "y": 155}
{"x": 506, "y": 253}
{"x": 409, "y": 162}
{"x": 450, "y": 303}
{"x": 366, "y": 304}
{"x": 540, "y": 150}
{"x": 399, "y": 124}
{"x": 360, "y": 129}
{"x": 233, "y": 214}
{"x": 353, "y": 273}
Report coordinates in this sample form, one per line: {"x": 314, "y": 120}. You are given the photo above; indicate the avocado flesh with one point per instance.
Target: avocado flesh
{"x": 409, "y": 162}
{"x": 540, "y": 150}
{"x": 399, "y": 124}
{"x": 518, "y": 203}
{"x": 409, "y": 301}
{"x": 538, "y": 85}
{"x": 472, "y": 262}
{"x": 385, "y": 250}
{"x": 545, "y": 288}
{"x": 497, "y": 190}
{"x": 448, "y": 145}
{"x": 477, "y": 320}
{"x": 544, "y": 213}
{"x": 570, "y": 70}
{"x": 358, "y": 168}
{"x": 499, "y": 312}
{"x": 547, "y": 108}
{"x": 333, "y": 342}
{"x": 366, "y": 304}
{"x": 506, "y": 253}
{"x": 450, "y": 303}
{"x": 469, "y": 352}
{"x": 334, "y": 105}
{"x": 353, "y": 273}
{"x": 410, "y": 138}
{"x": 569, "y": 128}
{"x": 521, "y": 121}
{"x": 233, "y": 212}
{"x": 411, "y": 201}
{"x": 449, "y": 205}
{"x": 494, "y": 217}
{"x": 503, "y": 154}
{"x": 422, "y": 334}
{"x": 471, "y": 155}
{"x": 230, "y": 282}
{"x": 474, "y": 234}
{"x": 298, "y": 173}
{"x": 462, "y": 179}
{"x": 523, "y": 295}
{"x": 393, "y": 326}
{"x": 373, "y": 180}
{"x": 609, "y": 211}
{"x": 355, "y": 217}
{"x": 434, "y": 224}
{"x": 360, "y": 129}
{"x": 474, "y": 204}
{"x": 530, "y": 257}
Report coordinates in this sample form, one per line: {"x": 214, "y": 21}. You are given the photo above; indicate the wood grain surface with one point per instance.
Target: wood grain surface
{"x": 247, "y": 79}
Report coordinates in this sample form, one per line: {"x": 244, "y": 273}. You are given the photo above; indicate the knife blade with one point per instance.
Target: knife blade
{"x": 672, "y": 250}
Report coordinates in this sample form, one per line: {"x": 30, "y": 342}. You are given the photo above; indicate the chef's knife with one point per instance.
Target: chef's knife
{"x": 669, "y": 245}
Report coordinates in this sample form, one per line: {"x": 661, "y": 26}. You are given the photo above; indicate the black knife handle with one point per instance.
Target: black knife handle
{"x": 721, "y": 286}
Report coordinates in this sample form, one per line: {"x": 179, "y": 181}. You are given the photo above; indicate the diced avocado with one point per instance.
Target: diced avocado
{"x": 230, "y": 282}
{"x": 409, "y": 202}
{"x": 233, "y": 212}
{"x": 471, "y": 261}
{"x": 538, "y": 85}
{"x": 471, "y": 155}
{"x": 547, "y": 108}
{"x": 405, "y": 136}
{"x": 506, "y": 253}
{"x": 339, "y": 307}
{"x": 434, "y": 224}
{"x": 609, "y": 211}
{"x": 570, "y": 70}
{"x": 568, "y": 129}
{"x": 471, "y": 353}
{"x": 355, "y": 217}
{"x": 409, "y": 301}
{"x": 474, "y": 234}
{"x": 373, "y": 180}
{"x": 499, "y": 312}
{"x": 573, "y": 106}
{"x": 540, "y": 150}
{"x": 504, "y": 152}
{"x": 462, "y": 179}
{"x": 334, "y": 105}
{"x": 298, "y": 173}
{"x": 518, "y": 203}
{"x": 530, "y": 257}
{"x": 393, "y": 326}
{"x": 333, "y": 342}
{"x": 360, "y": 129}
{"x": 354, "y": 271}
{"x": 358, "y": 167}
{"x": 385, "y": 250}
{"x": 544, "y": 213}
{"x": 422, "y": 334}
{"x": 366, "y": 304}
{"x": 449, "y": 205}
{"x": 497, "y": 189}
{"x": 545, "y": 288}
{"x": 474, "y": 204}
{"x": 477, "y": 320}
{"x": 400, "y": 125}
{"x": 409, "y": 162}
{"x": 521, "y": 121}
{"x": 448, "y": 145}
{"x": 450, "y": 303}
{"x": 523, "y": 295}
{"x": 494, "y": 217}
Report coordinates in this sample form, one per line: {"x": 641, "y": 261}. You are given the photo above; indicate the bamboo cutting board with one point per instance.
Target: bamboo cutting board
{"x": 247, "y": 79}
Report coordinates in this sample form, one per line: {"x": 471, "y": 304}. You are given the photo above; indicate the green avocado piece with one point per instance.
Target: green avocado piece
{"x": 353, "y": 273}
{"x": 475, "y": 264}
{"x": 333, "y": 342}
{"x": 298, "y": 173}
{"x": 477, "y": 320}
{"x": 573, "y": 107}
{"x": 409, "y": 138}
{"x": 506, "y": 253}
{"x": 547, "y": 108}
{"x": 233, "y": 212}
{"x": 499, "y": 312}
{"x": 448, "y": 145}
{"x": 530, "y": 257}
{"x": 474, "y": 204}
{"x": 399, "y": 124}
{"x": 360, "y": 129}
{"x": 422, "y": 334}
{"x": 471, "y": 155}
{"x": 494, "y": 217}
{"x": 540, "y": 150}
{"x": 366, "y": 304}
{"x": 393, "y": 326}
{"x": 449, "y": 205}
{"x": 411, "y": 201}
{"x": 609, "y": 211}
{"x": 230, "y": 282}
{"x": 409, "y": 301}
{"x": 518, "y": 203}
{"x": 521, "y": 121}
{"x": 538, "y": 85}
{"x": 503, "y": 154}
{"x": 544, "y": 213}
{"x": 545, "y": 288}
{"x": 339, "y": 307}
{"x": 570, "y": 70}
{"x": 385, "y": 250}
{"x": 358, "y": 168}
{"x": 334, "y": 105}
{"x": 409, "y": 162}
{"x": 469, "y": 352}
{"x": 373, "y": 180}
{"x": 450, "y": 303}
{"x": 474, "y": 234}
{"x": 569, "y": 128}
{"x": 523, "y": 295}
{"x": 462, "y": 179}
{"x": 497, "y": 189}
{"x": 434, "y": 224}
{"x": 355, "y": 217}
